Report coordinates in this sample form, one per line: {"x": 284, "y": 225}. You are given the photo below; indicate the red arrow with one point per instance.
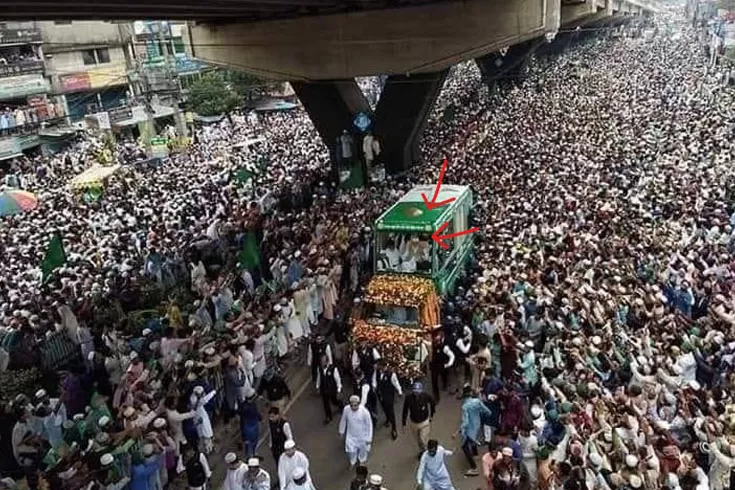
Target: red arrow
{"x": 440, "y": 238}
{"x": 433, "y": 204}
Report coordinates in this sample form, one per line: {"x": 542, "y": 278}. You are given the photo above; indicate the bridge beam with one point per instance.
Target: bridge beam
{"x": 398, "y": 121}
{"x": 401, "y": 115}
{"x": 500, "y": 69}
{"x": 331, "y": 105}
{"x": 409, "y": 40}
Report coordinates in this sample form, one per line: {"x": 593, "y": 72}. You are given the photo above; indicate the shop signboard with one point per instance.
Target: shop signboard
{"x": 22, "y": 86}
{"x": 103, "y": 121}
{"x": 108, "y": 77}
{"x": 10, "y": 148}
{"x": 120, "y": 114}
{"x": 40, "y": 103}
{"x": 21, "y": 68}
{"x": 20, "y": 36}
{"x": 74, "y": 82}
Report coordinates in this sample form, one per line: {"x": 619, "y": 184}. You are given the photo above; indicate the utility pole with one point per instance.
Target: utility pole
{"x": 172, "y": 75}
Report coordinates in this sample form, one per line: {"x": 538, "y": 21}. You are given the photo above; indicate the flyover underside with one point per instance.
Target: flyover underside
{"x": 499, "y": 68}
{"x": 402, "y": 41}
{"x": 401, "y": 115}
{"x": 331, "y": 105}
{"x": 399, "y": 119}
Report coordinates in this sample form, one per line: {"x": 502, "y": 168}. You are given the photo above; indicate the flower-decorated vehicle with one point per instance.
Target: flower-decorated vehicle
{"x": 400, "y": 309}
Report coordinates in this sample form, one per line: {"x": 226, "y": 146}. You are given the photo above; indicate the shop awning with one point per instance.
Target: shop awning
{"x": 94, "y": 175}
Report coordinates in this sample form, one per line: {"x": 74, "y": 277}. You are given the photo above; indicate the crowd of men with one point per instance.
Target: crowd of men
{"x": 591, "y": 341}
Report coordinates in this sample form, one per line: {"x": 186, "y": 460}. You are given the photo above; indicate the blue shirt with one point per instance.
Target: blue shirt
{"x": 473, "y": 412}
{"x": 141, "y": 477}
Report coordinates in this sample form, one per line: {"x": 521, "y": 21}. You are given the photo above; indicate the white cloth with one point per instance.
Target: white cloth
{"x": 235, "y": 478}
{"x": 204, "y": 424}
{"x": 432, "y": 473}
{"x": 287, "y": 464}
{"x": 307, "y": 485}
{"x": 357, "y": 428}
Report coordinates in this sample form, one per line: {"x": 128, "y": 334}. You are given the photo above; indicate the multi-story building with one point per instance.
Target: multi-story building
{"x": 87, "y": 65}
{"x": 26, "y": 106}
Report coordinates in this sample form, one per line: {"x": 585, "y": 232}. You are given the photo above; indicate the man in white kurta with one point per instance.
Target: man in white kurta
{"x": 432, "y": 473}
{"x": 356, "y": 426}
{"x": 290, "y": 460}
{"x": 236, "y": 471}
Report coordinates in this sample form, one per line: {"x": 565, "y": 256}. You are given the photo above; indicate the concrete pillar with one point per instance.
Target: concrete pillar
{"x": 331, "y": 106}
{"x": 496, "y": 68}
{"x": 401, "y": 115}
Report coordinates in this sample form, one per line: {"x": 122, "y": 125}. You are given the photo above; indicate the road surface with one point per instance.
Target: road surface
{"x": 396, "y": 460}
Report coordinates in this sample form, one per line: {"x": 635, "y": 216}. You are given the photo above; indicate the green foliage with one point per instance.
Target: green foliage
{"x": 249, "y": 86}
{"x": 213, "y": 95}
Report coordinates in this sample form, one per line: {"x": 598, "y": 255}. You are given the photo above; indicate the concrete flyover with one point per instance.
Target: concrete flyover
{"x": 404, "y": 41}
{"x": 415, "y": 46}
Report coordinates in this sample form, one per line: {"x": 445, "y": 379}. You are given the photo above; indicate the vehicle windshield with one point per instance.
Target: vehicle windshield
{"x": 395, "y": 315}
{"x": 404, "y": 252}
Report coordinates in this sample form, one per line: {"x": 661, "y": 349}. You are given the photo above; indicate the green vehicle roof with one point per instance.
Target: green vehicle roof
{"x": 411, "y": 214}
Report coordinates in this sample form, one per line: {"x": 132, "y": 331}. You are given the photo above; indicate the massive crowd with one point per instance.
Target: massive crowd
{"x": 591, "y": 341}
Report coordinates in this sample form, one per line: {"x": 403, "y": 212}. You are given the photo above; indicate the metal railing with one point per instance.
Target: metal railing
{"x": 24, "y": 67}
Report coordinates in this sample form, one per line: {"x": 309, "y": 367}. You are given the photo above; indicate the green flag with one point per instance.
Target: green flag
{"x": 242, "y": 176}
{"x": 250, "y": 254}
{"x": 55, "y": 256}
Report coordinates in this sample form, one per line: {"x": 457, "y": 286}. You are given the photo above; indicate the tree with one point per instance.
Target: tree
{"x": 213, "y": 95}
{"x": 249, "y": 86}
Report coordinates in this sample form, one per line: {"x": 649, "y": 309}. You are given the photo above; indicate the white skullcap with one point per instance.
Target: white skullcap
{"x": 189, "y": 364}
{"x": 536, "y": 411}
{"x": 596, "y": 340}
{"x": 635, "y": 481}
{"x": 159, "y": 423}
{"x": 289, "y": 444}
{"x": 128, "y": 412}
{"x": 253, "y": 462}
{"x": 106, "y": 459}
{"x": 198, "y": 390}
{"x": 41, "y": 393}
{"x": 507, "y": 451}
{"x": 230, "y": 458}
{"x": 631, "y": 460}
{"x": 104, "y": 421}
{"x": 595, "y": 460}
{"x": 376, "y": 480}
{"x": 298, "y": 472}
{"x": 354, "y": 399}
{"x": 209, "y": 351}
{"x": 147, "y": 332}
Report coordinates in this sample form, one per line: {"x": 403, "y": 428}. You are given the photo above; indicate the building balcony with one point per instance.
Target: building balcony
{"x": 25, "y": 67}
{"x": 20, "y": 36}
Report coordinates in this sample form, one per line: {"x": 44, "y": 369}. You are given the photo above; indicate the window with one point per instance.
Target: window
{"x": 103, "y": 55}
{"x": 88, "y": 57}
{"x": 403, "y": 252}
{"x": 179, "y": 47}
{"x": 392, "y": 314}
{"x": 96, "y": 56}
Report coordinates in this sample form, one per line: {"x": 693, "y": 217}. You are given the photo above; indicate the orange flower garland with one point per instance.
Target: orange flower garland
{"x": 392, "y": 343}
{"x": 399, "y": 290}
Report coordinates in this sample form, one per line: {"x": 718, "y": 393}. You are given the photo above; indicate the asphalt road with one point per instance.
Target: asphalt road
{"x": 395, "y": 460}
